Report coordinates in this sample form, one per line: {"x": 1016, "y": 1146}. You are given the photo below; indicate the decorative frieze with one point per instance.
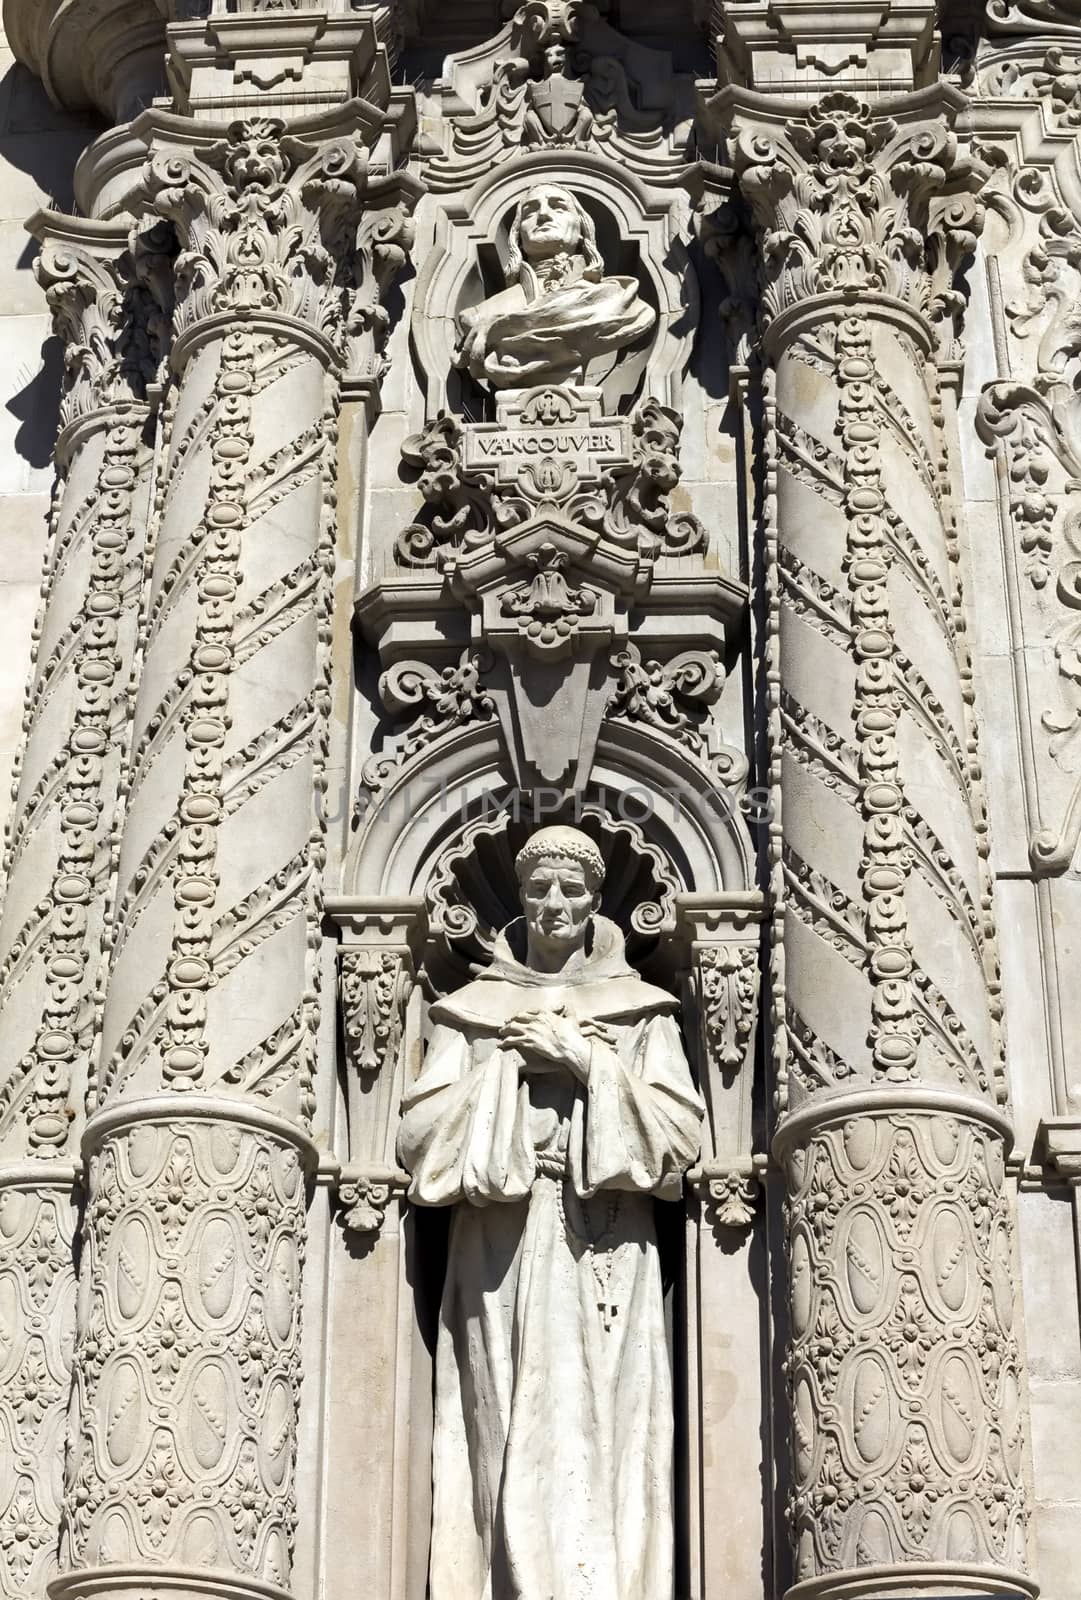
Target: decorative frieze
{"x": 852, "y": 201}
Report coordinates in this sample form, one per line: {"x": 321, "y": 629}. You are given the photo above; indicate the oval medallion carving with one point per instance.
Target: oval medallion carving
{"x": 217, "y": 1267}
{"x": 208, "y": 1415}
{"x": 872, "y": 1409}
{"x": 958, "y": 1405}
{"x": 276, "y": 1434}
{"x": 281, "y": 1288}
{"x": 801, "y": 1285}
{"x": 125, "y": 1413}
{"x": 861, "y": 1142}
{"x": 950, "y": 1258}
{"x": 865, "y": 1262}
{"x": 142, "y": 1149}
{"x": 131, "y": 1271}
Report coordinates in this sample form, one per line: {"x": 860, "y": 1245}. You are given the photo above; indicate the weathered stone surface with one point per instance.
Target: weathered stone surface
{"x": 661, "y": 424}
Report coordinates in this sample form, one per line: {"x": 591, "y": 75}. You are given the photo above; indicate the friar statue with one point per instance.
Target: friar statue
{"x": 554, "y": 1103}
{"x": 560, "y": 311}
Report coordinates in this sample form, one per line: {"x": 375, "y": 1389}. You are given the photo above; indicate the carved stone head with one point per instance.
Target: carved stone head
{"x": 560, "y": 872}
{"x": 550, "y": 221}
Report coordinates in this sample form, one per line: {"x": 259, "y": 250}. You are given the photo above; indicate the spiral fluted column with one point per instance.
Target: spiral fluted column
{"x": 106, "y": 303}
{"x": 187, "y": 1362}
{"x": 903, "y": 1367}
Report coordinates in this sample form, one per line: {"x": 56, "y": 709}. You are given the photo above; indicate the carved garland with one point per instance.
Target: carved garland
{"x": 885, "y": 864}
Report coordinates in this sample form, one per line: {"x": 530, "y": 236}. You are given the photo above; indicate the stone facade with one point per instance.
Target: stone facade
{"x": 428, "y": 423}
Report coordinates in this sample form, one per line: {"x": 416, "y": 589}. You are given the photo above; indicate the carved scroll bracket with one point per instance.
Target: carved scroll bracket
{"x": 532, "y": 590}
{"x": 730, "y": 1192}
{"x": 723, "y": 947}
{"x": 376, "y": 966}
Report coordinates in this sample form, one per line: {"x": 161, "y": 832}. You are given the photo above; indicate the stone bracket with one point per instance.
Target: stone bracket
{"x": 1059, "y": 1138}
{"x": 730, "y": 1191}
{"x": 379, "y": 944}
{"x": 722, "y": 944}
{"x": 364, "y": 1195}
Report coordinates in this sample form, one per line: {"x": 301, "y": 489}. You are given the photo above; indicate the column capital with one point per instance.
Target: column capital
{"x": 108, "y": 286}
{"x": 854, "y": 201}
{"x": 273, "y": 221}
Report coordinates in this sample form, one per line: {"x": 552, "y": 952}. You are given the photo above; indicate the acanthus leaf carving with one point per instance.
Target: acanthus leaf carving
{"x": 271, "y": 223}
{"x": 439, "y": 701}
{"x": 384, "y": 243}
{"x": 376, "y": 980}
{"x": 673, "y": 696}
{"x": 731, "y": 1194}
{"x": 851, "y": 201}
{"x": 375, "y": 984}
{"x": 111, "y": 302}
{"x": 728, "y": 1002}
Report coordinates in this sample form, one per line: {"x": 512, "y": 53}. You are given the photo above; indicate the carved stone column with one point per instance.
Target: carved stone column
{"x": 188, "y": 1361}
{"x": 903, "y": 1369}
{"x": 58, "y": 847}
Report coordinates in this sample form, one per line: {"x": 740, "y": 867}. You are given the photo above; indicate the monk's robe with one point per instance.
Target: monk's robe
{"x": 552, "y": 1458}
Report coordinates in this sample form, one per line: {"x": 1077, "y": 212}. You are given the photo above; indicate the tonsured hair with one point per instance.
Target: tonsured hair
{"x": 564, "y": 844}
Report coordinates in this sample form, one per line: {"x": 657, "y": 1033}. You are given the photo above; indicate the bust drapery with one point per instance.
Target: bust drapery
{"x": 560, "y": 310}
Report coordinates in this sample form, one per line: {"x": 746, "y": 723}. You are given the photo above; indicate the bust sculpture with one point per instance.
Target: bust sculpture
{"x": 554, "y": 1103}
{"x": 559, "y": 311}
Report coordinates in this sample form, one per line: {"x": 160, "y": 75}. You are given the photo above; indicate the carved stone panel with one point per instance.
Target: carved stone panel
{"x": 187, "y": 1366}
{"x": 904, "y": 1370}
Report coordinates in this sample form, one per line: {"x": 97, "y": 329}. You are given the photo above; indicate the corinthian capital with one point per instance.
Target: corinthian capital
{"x": 109, "y": 289}
{"x": 853, "y": 202}
{"x": 268, "y": 221}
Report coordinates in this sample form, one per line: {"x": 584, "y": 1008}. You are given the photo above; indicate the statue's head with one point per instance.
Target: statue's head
{"x": 560, "y": 872}
{"x": 549, "y": 222}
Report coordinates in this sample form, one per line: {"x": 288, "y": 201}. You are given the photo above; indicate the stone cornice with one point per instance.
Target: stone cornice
{"x": 108, "y": 58}
{"x": 116, "y": 57}
{"x": 796, "y": 48}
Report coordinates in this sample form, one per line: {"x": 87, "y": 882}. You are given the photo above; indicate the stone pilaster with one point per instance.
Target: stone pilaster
{"x": 187, "y": 1360}
{"x": 903, "y": 1369}
{"x": 106, "y": 305}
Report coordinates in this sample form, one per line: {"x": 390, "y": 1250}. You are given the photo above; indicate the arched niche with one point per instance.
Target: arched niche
{"x": 683, "y": 811}
{"x": 429, "y": 878}
{"x": 470, "y": 240}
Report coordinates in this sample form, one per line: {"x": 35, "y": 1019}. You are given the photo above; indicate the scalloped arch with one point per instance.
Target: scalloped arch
{"x": 641, "y": 777}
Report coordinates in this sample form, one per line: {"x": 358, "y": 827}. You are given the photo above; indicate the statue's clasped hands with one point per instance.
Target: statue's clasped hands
{"x": 549, "y": 1041}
